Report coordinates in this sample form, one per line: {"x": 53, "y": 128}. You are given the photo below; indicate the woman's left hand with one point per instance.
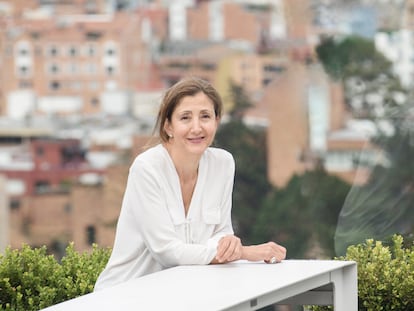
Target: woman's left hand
{"x": 229, "y": 248}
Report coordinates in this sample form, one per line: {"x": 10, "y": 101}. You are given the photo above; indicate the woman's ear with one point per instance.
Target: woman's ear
{"x": 167, "y": 128}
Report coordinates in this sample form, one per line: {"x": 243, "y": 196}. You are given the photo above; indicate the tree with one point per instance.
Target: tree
{"x": 367, "y": 76}
{"x": 383, "y": 206}
{"x": 241, "y": 102}
{"x": 248, "y": 146}
{"x": 303, "y": 215}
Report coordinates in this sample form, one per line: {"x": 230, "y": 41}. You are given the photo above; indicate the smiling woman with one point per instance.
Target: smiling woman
{"x": 192, "y": 126}
{"x": 177, "y": 203}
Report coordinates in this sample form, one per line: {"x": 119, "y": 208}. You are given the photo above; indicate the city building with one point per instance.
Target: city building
{"x": 222, "y": 64}
{"x": 44, "y": 165}
{"x": 309, "y": 126}
{"x": 72, "y": 63}
{"x": 85, "y": 213}
{"x": 55, "y": 192}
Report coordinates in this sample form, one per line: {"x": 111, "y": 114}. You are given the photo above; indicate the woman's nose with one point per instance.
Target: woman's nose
{"x": 196, "y": 125}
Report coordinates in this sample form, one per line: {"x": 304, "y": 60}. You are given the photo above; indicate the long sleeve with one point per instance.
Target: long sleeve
{"x": 153, "y": 232}
{"x": 144, "y": 197}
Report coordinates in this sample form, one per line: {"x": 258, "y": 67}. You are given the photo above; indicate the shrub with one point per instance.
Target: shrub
{"x": 385, "y": 275}
{"x": 30, "y": 279}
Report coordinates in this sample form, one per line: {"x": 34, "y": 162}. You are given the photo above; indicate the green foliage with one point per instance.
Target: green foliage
{"x": 240, "y": 100}
{"x": 30, "y": 279}
{"x": 303, "y": 212}
{"x": 384, "y": 205}
{"x": 385, "y": 275}
{"x": 251, "y": 186}
{"x": 352, "y": 56}
{"x": 366, "y": 74}
{"x": 248, "y": 146}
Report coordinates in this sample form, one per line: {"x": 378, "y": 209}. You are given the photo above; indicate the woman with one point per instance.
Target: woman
{"x": 177, "y": 204}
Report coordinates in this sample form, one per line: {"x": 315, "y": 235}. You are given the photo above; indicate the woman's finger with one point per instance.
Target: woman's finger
{"x": 229, "y": 249}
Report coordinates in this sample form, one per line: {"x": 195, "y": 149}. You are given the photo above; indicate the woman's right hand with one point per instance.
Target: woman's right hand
{"x": 229, "y": 248}
{"x": 269, "y": 252}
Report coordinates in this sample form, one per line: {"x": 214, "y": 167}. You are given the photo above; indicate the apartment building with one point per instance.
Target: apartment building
{"x": 72, "y": 63}
{"x": 222, "y": 64}
{"x": 309, "y": 126}
{"x": 51, "y": 195}
{"x": 86, "y": 214}
{"x": 308, "y": 123}
{"x": 83, "y": 58}
{"x": 246, "y": 21}
{"x": 45, "y": 165}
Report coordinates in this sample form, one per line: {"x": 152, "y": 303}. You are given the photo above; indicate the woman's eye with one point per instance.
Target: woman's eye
{"x": 184, "y": 118}
{"x": 206, "y": 116}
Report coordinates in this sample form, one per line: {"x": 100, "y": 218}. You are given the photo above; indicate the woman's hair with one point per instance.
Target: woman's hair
{"x": 172, "y": 97}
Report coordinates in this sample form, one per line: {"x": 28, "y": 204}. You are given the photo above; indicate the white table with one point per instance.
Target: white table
{"x": 235, "y": 286}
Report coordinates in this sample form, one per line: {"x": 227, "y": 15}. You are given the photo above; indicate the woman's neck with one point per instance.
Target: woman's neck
{"x": 185, "y": 164}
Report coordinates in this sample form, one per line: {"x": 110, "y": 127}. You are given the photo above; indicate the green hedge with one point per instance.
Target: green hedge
{"x": 385, "y": 275}
{"x": 30, "y": 279}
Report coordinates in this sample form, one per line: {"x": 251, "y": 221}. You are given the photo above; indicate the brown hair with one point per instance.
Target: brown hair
{"x": 172, "y": 97}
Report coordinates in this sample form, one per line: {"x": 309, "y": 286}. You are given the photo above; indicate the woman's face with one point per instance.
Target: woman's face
{"x": 193, "y": 124}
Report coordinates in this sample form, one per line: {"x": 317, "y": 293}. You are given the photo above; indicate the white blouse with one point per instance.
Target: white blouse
{"x": 153, "y": 232}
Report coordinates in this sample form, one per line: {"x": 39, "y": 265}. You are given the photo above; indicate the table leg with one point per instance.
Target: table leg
{"x": 345, "y": 288}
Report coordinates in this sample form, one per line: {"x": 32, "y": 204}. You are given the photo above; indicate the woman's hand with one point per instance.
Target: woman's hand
{"x": 229, "y": 248}
{"x": 270, "y": 252}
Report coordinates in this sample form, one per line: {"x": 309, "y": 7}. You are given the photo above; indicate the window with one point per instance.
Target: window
{"x": 14, "y": 204}
{"x": 23, "y": 71}
{"x": 273, "y": 68}
{"x": 94, "y": 101}
{"x": 23, "y": 51}
{"x": 72, "y": 51}
{"x": 93, "y": 35}
{"x": 54, "y": 85}
{"x": 90, "y": 50}
{"x": 266, "y": 81}
{"x": 40, "y": 151}
{"x": 41, "y": 186}
{"x": 110, "y": 70}
{"x": 208, "y": 66}
{"x": 53, "y": 51}
{"x": 110, "y": 51}
{"x": 53, "y": 68}
{"x": 90, "y": 235}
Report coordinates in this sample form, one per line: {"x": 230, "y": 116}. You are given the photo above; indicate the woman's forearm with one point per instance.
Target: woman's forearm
{"x": 251, "y": 253}
{"x": 230, "y": 249}
{"x": 265, "y": 252}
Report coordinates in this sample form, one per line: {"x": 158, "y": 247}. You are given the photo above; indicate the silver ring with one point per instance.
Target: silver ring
{"x": 273, "y": 260}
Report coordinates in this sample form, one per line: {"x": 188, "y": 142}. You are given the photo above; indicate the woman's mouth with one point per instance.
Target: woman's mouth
{"x": 196, "y": 139}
